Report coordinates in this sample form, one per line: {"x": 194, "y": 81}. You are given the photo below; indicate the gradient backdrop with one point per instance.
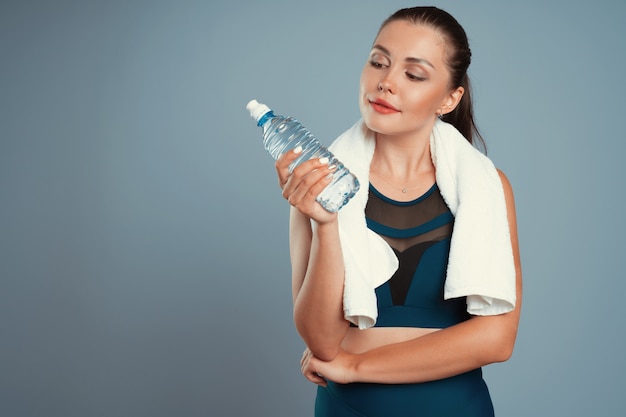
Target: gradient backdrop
{"x": 144, "y": 263}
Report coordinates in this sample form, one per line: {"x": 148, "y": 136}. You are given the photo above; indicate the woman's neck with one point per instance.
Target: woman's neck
{"x": 402, "y": 165}
{"x": 401, "y": 157}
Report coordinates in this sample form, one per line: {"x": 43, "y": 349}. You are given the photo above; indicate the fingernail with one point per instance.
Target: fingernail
{"x": 297, "y": 149}
{"x": 332, "y": 167}
{"x": 323, "y": 160}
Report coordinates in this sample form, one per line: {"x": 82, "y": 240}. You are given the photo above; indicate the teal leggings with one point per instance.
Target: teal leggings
{"x": 464, "y": 395}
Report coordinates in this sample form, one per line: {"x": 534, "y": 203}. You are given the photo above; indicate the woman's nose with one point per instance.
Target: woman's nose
{"x": 387, "y": 84}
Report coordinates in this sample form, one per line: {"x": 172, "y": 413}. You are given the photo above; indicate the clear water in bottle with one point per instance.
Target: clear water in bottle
{"x": 283, "y": 133}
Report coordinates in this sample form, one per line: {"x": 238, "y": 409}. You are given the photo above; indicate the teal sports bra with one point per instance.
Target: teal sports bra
{"x": 419, "y": 232}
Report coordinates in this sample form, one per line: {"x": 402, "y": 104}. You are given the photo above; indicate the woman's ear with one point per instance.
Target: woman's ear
{"x": 451, "y": 100}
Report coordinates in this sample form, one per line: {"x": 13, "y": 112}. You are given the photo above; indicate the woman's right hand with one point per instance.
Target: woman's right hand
{"x": 302, "y": 186}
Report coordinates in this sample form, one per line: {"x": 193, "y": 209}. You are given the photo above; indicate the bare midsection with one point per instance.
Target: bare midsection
{"x": 358, "y": 341}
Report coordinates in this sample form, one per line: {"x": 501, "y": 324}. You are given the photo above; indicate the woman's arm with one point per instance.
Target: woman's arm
{"x": 316, "y": 257}
{"x": 451, "y": 351}
{"x": 317, "y": 282}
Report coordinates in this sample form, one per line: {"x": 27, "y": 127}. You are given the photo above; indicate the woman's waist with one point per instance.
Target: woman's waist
{"x": 359, "y": 341}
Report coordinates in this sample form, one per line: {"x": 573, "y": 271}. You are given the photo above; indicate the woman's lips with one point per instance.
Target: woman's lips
{"x": 381, "y": 106}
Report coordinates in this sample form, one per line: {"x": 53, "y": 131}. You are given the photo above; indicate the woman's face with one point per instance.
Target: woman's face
{"x": 405, "y": 83}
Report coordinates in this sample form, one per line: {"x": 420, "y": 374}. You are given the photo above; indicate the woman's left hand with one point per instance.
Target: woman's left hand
{"x": 339, "y": 370}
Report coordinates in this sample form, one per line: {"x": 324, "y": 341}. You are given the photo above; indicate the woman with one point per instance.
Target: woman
{"x": 424, "y": 355}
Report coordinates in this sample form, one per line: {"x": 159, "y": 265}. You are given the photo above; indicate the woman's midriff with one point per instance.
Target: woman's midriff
{"x": 359, "y": 341}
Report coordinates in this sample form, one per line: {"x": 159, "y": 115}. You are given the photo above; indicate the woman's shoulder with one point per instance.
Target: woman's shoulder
{"x": 506, "y": 184}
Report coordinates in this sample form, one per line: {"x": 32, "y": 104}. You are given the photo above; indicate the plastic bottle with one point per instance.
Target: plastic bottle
{"x": 282, "y": 133}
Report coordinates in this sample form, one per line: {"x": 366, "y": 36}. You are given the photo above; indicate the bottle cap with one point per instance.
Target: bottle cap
{"x": 256, "y": 109}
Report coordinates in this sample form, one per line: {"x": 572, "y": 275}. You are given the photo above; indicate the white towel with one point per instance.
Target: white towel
{"x": 480, "y": 264}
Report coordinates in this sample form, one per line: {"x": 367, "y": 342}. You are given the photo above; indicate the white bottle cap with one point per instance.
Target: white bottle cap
{"x": 256, "y": 109}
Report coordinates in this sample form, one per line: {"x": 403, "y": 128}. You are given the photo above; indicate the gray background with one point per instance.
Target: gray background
{"x": 143, "y": 241}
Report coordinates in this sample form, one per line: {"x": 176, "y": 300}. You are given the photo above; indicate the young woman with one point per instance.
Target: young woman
{"x": 423, "y": 357}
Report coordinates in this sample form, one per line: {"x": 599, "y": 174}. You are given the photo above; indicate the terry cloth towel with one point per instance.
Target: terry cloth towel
{"x": 480, "y": 264}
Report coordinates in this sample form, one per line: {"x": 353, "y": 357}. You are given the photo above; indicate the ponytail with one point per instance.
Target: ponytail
{"x": 462, "y": 117}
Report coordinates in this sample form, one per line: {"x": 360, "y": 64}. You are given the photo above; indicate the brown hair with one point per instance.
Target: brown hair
{"x": 458, "y": 60}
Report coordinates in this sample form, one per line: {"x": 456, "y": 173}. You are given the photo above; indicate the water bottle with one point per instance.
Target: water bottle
{"x": 281, "y": 134}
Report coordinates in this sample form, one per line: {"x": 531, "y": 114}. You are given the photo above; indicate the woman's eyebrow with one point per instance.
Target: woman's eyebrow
{"x": 408, "y": 59}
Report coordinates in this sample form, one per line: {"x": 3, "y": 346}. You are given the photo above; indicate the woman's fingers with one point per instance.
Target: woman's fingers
{"x": 301, "y": 186}
{"x": 306, "y": 181}
{"x": 283, "y": 164}
{"x": 308, "y": 370}
{"x": 304, "y": 187}
{"x": 316, "y": 379}
{"x": 284, "y": 168}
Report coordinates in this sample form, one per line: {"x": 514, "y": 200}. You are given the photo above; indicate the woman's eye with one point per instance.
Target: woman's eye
{"x": 376, "y": 64}
{"x": 414, "y": 77}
